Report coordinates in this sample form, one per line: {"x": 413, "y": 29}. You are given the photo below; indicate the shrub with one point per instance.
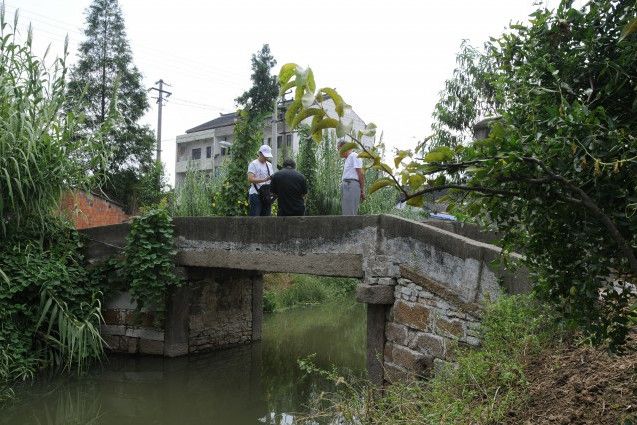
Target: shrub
{"x": 285, "y": 291}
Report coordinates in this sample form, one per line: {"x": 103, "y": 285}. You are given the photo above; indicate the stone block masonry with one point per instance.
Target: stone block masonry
{"x": 217, "y": 308}
{"x": 425, "y": 325}
{"x": 220, "y": 309}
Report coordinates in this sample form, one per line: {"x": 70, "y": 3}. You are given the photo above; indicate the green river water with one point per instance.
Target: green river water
{"x": 256, "y": 384}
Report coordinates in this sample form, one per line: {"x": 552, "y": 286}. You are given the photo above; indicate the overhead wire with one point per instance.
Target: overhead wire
{"x": 70, "y": 28}
{"x": 166, "y": 65}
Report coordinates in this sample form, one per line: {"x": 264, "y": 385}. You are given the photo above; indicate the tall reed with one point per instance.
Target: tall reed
{"x": 198, "y": 194}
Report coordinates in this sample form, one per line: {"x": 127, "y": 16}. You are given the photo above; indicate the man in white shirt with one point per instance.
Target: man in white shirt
{"x": 259, "y": 173}
{"x": 353, "y": 182}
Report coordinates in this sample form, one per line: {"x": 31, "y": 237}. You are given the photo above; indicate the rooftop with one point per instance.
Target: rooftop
{"x": 222, "y": 121}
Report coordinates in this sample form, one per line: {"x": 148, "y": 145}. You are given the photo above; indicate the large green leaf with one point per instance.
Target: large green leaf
{"x": 441, "y": 154}
{"x": 306, "y": 113}
{"x": 415, "y": 181}
{"x": 287, "y": 86}
{"x": 339, "y": 105}
{"x": 366, "y": 155}
{"x": 286, "y": 72}
{"x": 400, "y": 155}
{"x": 380, "y": 183}
{"x": 416, "y": 201}
{"x": 307, "y": 100}
{"x": 311, "y": 85}
{"x": 292, "y": 111}
{"x": 323, "y": 124}
{"x": 347, "y": 146}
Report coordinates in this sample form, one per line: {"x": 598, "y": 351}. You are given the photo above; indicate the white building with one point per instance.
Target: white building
{"x": 207, "y": 145}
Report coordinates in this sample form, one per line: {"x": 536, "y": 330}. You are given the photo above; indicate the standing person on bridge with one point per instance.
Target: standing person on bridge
{"x": 353, "y": 181}
{"x": 290, "y": 187}
{"x": 259, "y": 175}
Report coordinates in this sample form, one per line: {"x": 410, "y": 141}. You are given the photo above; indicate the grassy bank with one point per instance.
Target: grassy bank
{"x": 282, "y": 290}
{"x": 526, "y": 360}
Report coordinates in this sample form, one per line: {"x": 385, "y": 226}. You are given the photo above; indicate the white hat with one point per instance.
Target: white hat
{"x": 266, "y": 151}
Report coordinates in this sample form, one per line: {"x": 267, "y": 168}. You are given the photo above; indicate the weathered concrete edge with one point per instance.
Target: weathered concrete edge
{"x": 105, "y": 241}
{"x": 439, "y": 290}
{"x": 375, "y": 294}
{"x": 270, "y": 230}
{"x": 457, "y": 245}
{"x": 344, "y": 265}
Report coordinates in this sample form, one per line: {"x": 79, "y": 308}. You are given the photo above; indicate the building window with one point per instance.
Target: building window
{"x": 288, "y": 140}
{"x": 196, "y": 154}
{"x": 208, "y": 151}
{"x": 279, "y": 140}
{"x": 269, "y": 141}
{"x": 223, "y": 151}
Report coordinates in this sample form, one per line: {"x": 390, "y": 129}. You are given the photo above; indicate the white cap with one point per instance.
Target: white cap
{"x": 266, "y": 151}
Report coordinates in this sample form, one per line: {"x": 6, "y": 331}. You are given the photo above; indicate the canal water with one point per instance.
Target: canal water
{"x": 256, "y": 384}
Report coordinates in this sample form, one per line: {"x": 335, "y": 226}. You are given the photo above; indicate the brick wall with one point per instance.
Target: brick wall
{"x": 88, "y": 210}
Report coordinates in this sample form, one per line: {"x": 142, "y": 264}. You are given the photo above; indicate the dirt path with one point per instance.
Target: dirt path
{"x": 581, "y": 386}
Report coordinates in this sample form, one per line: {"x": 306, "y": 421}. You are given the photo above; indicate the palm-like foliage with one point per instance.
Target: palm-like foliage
{"x": 69, "y": 339}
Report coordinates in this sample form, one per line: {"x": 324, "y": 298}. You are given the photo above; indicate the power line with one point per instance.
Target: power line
{"x": 77, "y": 31}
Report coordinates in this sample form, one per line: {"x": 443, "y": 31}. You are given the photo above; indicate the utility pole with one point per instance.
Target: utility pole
{"x": 160, "y": 102}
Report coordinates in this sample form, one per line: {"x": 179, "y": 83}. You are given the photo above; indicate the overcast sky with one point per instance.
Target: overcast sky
{"x": 388, "y": 59}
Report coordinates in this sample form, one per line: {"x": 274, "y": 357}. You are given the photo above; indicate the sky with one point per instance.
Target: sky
{"x": 388, "y": 59}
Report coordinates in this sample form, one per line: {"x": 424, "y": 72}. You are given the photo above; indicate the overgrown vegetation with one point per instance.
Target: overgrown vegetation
{"x": 481, "y": 388}
{"x": 49, "y": 306}
{"x": 149, "y": 259}
{"x": 283, "y": 291}
{"x": 557, "y": 173}
{"x": 38, "y": 156}
{"x": 198, "y": 194}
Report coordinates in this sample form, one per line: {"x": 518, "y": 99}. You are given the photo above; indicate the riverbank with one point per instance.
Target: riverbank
{"x": 529, "y": 370}
{"x": 283, "y": 291}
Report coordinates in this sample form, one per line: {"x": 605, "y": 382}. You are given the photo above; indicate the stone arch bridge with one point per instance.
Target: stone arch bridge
{"x": 424, "y": 284}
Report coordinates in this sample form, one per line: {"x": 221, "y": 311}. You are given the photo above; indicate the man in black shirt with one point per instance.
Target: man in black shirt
{"x": 291, "y": 187}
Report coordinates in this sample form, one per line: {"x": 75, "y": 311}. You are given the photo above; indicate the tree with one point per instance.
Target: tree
{"x": 104, "y": 78}
{"x": 558, "y": 172}
{"x": 265, "y": 88}
{"x": 255, "y": 104}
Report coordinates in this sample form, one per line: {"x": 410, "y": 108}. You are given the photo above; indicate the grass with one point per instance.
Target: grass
{"x": 480, "y": 388}
{"x": 283, "y": 291}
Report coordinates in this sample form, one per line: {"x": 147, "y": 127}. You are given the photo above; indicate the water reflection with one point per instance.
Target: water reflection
{"x": 259, "y": 383}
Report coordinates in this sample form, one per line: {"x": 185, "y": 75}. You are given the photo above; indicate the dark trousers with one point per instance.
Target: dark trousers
{"x": 256, "y": 208}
